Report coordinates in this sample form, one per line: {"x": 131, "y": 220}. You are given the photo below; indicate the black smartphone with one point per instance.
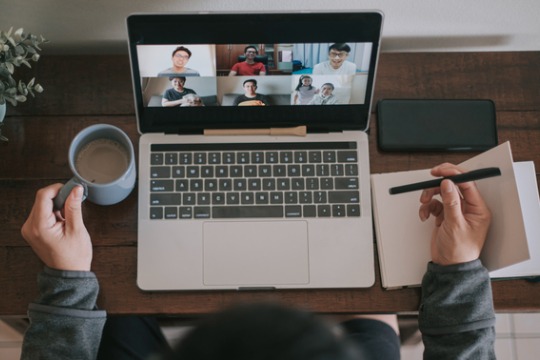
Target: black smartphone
{"x": 436, "y": 125}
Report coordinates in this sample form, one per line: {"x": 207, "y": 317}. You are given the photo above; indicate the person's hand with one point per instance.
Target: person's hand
{"x": 461, "y": 224}
{"x": 61, "y": 242}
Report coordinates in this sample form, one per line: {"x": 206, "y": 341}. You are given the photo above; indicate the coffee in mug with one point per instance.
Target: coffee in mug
{"x": 102, "y": 160}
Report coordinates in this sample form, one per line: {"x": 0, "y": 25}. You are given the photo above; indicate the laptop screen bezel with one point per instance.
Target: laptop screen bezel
{"x": 214, "y": 28}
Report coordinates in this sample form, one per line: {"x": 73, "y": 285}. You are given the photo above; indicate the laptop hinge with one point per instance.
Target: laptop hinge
{"x": 286, "y": 131}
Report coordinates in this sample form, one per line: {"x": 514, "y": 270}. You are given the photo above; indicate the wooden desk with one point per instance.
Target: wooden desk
{"x": 84, "y": 90}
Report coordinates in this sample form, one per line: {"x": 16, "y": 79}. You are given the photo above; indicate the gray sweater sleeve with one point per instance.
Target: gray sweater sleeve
{"x": 456, "y": 313}
{"x": 64, "y": 321}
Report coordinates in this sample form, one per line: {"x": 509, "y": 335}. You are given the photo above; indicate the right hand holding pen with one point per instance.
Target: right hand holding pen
{"x": 461, "y": 224}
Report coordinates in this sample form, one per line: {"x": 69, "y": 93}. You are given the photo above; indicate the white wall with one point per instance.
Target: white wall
{"x": 98, "y": 26}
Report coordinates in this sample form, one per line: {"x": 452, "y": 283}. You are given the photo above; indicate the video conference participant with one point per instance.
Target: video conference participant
{"x": 337, "y": 63}
{"x": 250, "y": 97}
{"x": 324, "y": 96}
{"x": 176, "y": 96}
{"x": 180, "y": 58}
{"x": 304, "y": 91}
{"x": 249, "y": 66}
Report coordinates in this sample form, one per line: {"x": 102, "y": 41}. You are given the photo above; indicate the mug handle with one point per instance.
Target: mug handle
{"x": 64, "y": 192}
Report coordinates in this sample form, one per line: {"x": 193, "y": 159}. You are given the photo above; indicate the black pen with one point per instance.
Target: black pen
{"x": 460, "y": 178}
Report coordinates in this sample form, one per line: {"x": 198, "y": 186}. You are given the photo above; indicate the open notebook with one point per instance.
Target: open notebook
{"x": 512, "y": 247}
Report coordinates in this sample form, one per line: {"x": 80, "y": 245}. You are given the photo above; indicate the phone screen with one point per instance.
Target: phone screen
{"x": 436, "y": 125}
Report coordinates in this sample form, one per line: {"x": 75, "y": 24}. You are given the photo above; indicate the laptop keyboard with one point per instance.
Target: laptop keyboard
{"x": 270, "y": 180}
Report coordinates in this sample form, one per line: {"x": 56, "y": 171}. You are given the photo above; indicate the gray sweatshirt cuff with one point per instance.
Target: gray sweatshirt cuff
{"x": 456, "y": 298}
{"x": 63, "y": 292}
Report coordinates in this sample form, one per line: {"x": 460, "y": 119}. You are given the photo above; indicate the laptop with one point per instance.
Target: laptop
{"x": 232, "y": 194}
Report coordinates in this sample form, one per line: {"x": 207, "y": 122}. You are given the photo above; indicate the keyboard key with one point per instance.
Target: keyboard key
{"x": 189, "y": 199}
{"x": 233, "y": 198}
{"x": 276, "y": 198}
{"x": 306, "y": 197}
{"x": 156, "y": 159}
{"x": 156, "y": 213}
{"x": 193, "y": 172}
{"x": 247, "y": 198}
{"x": 165, "y": 199}
{"x": 171, "y": 158}
{"x": 171, "y": 213}
{"x": 293, "y": 211}
{"x": 199, "y": 158}
{"x": 315, "y": 157}
{"x": 262, "y": 198}
{"x": 298, "y": 184}
{"x": 185, "y": 212}
{"x": 214, "y": 158}
{"x": 347, "y": 156}
{"x": 286, "y": 157}
{"x": 218, "y": 198}
{"x": 201, "y": 212}
{"x": 346, "y": 183}
{"x": 207, "y": 171}
{"x": 243, "y": 157}
{"x": 329, "y": 156}
{"x": 272, "y": 157}
{"x": 161, "y": 185}
{"x": 343, "y": 197}
{"x": 257, "y": 157}
{"x": 265, "y": 171}
{"x": 203, "y": 199}
{"x": 182, "y": 185}
{"x": 178, "y": 171}
{"x": 338, "y": 210}
{"x": 300, "y": 157}
{"x": 263, "y": 211}
{"x": 308, "y": 170}
{"x": 236, "y": 171}
{"x": 323, "y": 211}
{"x": 353, "y": 210}
{"x": 210, "y": 184}
{"x": 157, "y": 172}
{"x": 186, "y": 158}
{"x": 336, "y": 170}
{"x": 309, "y": 210}
{"x": 320, "y": 197}
{"x": 229, "y": 158}
{"x": 351, "y": 169}
{"x": 291, "y": 197}
{"x": 225, "y": 184}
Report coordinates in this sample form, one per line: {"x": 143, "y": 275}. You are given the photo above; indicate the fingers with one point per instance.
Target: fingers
{"x": 41, "y": 216}
{"x": 451, "y": 202}
{"x": 72, "y": 209}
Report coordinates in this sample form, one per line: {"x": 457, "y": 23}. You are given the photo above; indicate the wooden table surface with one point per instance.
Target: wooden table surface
{"x": 85, "y": 90}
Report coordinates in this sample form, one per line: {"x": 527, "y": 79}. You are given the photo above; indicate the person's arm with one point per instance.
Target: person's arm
{"x": 456, "y": 315}
{"x": 262, "y": 72}
{"x": 64, "y": 321}
{"x": 172, "y": 103}
{"x": 234, "y": 70}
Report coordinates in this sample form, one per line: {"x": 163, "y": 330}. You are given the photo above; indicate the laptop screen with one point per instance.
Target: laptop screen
{"x": 197, "y": 71}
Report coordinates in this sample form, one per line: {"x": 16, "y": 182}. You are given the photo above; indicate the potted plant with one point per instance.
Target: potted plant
{"x": 17, "y": 48}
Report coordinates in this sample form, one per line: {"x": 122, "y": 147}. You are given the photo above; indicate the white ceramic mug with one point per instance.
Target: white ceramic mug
{"x": 102, "y": 160}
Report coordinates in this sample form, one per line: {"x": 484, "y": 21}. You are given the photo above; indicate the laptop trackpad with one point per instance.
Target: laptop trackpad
{"x": 258, "y": 253}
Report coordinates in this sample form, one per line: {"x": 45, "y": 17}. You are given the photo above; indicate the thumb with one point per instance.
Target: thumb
{"x": 73, "y": 209}
{"x": 451, "y": 202}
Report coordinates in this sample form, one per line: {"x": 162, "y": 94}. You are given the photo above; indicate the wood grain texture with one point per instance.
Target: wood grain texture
{"x": 85, "y": 90}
